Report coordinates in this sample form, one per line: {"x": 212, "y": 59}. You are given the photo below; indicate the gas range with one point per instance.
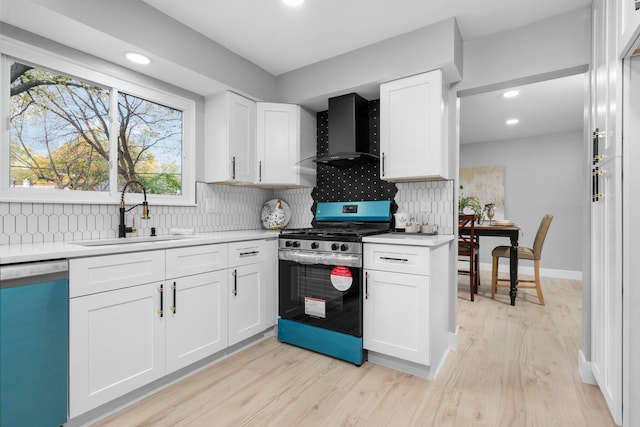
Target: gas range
{"x": 337, "y": 237}
{"x": 340, "y": 227}
{"x": 321, "y": 285}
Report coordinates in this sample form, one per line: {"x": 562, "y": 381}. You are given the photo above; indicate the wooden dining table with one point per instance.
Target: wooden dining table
{"x": 512, "y": 232}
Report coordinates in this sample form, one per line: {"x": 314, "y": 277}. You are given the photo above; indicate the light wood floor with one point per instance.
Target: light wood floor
{"x": 515, "y": 366}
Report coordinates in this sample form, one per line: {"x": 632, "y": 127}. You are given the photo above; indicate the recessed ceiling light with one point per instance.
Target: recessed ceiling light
{"x": 293, "y": 2}
{"x": 512, "y": 121}
{"x": 138, "y": 58}
{"x": 510, "y": 93}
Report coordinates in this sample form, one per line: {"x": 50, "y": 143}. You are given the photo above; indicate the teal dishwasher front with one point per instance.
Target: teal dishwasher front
{"x": 34, "y": 343}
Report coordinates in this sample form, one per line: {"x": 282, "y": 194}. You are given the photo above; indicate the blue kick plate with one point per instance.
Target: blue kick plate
{"x": 332, "y": 343}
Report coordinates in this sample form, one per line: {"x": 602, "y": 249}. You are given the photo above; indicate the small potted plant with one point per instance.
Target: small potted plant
{"x": 470, "y": 202}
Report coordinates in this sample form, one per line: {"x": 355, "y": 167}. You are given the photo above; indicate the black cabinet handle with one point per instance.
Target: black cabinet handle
{"x": 386, "y": 258}
{"x": 173, "y": 307}
{"x": 235, "y": 282}
{"x": 161, "y": 290}
{"x": 260, "y": 171}
{"x": 233, "y": 167}
{"x": 250, "y": 253}
{"x": 383, "y": 158}
{"x": 366, "y": 285}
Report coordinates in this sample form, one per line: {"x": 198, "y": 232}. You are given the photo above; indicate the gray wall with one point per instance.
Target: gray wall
{"x": 542, "y": 175}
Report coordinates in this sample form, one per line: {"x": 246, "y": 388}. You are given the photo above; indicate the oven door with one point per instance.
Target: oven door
{"x": 322, "y": 295}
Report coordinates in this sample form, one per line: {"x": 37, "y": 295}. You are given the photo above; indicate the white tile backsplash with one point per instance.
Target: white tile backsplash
{"x": 230, "y": 208}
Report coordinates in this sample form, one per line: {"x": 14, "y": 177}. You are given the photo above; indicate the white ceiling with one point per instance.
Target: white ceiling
{"x": 548, "y": 107}
{"x": 281, "y": 39}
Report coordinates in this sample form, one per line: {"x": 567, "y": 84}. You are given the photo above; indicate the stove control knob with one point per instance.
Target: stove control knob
{"x": 335, "y": 247}
{"x": 344, "y": 247}
{"x": 296, "y": 244}
{"x": 287, "y": 243}
{"x": 315, "y": 245}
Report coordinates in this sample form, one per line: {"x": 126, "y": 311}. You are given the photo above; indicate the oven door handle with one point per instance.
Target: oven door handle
{"x": 307, "y": 258}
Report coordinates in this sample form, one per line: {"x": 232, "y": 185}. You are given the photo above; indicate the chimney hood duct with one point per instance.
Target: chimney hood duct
{"x": 349, "y": 142}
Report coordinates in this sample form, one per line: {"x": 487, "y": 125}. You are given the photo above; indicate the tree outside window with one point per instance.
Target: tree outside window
{"x": 60, "y": 132}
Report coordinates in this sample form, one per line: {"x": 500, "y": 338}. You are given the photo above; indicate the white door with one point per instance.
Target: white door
{"x": 396, "y": 315}
{"x": 278, "y": 143}
{"x": 196, "y": 318}
{"x": 242, "y": 137}
{"x": 116, "y": 344}
{"x": 246, "y": 317}
{"x": 411, "y": 138}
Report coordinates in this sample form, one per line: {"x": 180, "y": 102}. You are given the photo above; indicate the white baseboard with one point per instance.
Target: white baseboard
{"x": 453, "y": 340}
{"x": 544, "y": 272}
{"x": 584, "y": 369}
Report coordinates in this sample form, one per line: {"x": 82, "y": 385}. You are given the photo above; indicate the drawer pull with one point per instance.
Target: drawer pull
{"x": 386, "y": 258}
{"x": 243, "y": 254}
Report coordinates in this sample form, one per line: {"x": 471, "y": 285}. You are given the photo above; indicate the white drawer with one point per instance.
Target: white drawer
{"x": 195, "y": 260}
{"x": 106, "y": 273}
{"x": 245, "y": 253}
{"x": 397, "y": 258}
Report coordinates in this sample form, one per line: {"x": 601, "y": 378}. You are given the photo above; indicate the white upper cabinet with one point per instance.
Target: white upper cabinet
{"x": 258, "y": 144}
{"x": 230, "y": 138}
{"x": 413, "y": 145}
{"x": 286, "y": 134}
{"x": 629, "y": 29}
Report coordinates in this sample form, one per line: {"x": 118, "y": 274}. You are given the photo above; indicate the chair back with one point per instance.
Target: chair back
{"x": 466, "y": 221}
{"x": 541, "y": 235}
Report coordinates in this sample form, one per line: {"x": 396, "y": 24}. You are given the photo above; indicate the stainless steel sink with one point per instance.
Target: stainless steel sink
{"x": 129, "y": 240}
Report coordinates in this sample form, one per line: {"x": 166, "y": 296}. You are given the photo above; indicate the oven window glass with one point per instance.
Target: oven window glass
{"x": 321, "y": 295}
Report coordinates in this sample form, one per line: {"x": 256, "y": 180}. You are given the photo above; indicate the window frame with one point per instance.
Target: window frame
{"x": 11, "y": 50}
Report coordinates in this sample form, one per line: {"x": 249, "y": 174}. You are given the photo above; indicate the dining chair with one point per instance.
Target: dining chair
{"x": 469, "y": 248}
{"x": 533, "y": 254}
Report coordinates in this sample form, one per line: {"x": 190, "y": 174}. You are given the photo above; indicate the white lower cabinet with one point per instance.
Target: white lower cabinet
{"x": 196, "y": 318}
{"x": 252, "y": 283}
{"x": 405, "y": 306}
{"x": 396, "y": 315}
{"x": 196, "y": 311}
{"x": 246, "y": 316}
{"x": 130, "y": 326}
{"x": 116, "y": 344}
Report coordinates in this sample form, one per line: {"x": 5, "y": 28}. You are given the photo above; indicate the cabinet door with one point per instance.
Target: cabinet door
{"x": 246, "y": 294}
{"x": 411, "y": 121}
{"x": 606, "y": 293}
{"x": 196, "y": 317}
{"x": 116, "y": 344}
{"x": 629, "y": 30}
{"x": 278, "y": 139}
{"x": 396, "y": 315}
{"x": 230, "y": 123}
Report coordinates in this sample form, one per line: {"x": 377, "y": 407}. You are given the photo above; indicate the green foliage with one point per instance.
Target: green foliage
{"x": 60, "y": 131}
{"x": 471, "y": 202}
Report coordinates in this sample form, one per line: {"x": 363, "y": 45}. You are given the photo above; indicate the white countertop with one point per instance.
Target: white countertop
{"x": 28, "y": 252}
{"x": 410, "y": 239}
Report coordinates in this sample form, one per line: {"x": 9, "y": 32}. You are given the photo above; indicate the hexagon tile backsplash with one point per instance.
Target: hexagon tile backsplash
{"x": 219, "y": 208}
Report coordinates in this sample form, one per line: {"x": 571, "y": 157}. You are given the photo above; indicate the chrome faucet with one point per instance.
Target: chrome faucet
{"x": 122, "y": 228}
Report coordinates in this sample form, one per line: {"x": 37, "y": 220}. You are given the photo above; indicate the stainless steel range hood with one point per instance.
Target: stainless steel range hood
{"x": 349, "y": 142}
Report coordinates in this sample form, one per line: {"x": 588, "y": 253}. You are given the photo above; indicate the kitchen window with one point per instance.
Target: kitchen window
{"x": 76, "y": 135}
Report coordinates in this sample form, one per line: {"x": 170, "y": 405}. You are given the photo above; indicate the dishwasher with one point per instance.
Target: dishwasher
{"x": 34, "y": 343}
